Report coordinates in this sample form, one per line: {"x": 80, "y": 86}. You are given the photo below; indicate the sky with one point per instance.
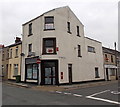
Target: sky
{"x": 99, "y": 17}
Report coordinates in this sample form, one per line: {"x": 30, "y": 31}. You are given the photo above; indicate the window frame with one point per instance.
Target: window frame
{"x": 97, "y": 72}
{"x": 14, "y": 70}
{"x": 32, "y": 72}
{"x": 10, "y": 53}
{"x": 78, "y": 31}
{"x": 45, "y": 23}
{"x": 30, "y": 29}
{"x": 30, "y": 47}
{"x": 69, "y": 27}
{"x": 3, "y": 55}
{"x": 79, "y": 51}
{"x": 54, "y": 46}
{"x": 16, "y": 52}
{"x": 112, "y": 59}
{"x": 91, "y": 47}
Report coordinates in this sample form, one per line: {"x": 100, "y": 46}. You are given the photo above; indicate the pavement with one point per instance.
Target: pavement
{"x": 59, "y": 88}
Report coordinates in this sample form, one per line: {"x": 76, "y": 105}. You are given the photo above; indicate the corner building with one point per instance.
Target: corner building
{"x": 56, "y": 39}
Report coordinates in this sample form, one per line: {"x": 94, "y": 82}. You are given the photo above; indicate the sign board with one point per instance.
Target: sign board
{"x": 38, "y": 61}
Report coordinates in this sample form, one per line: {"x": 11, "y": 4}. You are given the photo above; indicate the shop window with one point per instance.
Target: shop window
{"x": 112, "y": 72}
{"x": 32, "y": 71}
{"x": 15, "y": 69}
{"x": 97, "y": 73}
{"x": 49, "y": 46}
{"x": 49, "y": 23}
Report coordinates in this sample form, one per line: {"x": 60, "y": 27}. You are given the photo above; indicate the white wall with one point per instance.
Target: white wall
{"x": 83, "y": 67}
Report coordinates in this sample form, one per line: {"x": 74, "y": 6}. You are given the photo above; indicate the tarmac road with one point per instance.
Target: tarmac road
{"x": 96, "y": 95}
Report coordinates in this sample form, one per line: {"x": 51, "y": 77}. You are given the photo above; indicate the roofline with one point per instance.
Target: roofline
{"x": 93, "y": 39}
{"x": 42, "y": 15}
{"x": 51, "y": 11}
{"x": 15, "y": 44}
{"x": 110, "y": 49}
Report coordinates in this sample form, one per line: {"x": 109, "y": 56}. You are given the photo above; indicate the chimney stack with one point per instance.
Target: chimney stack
{"x": 17, "y": 40}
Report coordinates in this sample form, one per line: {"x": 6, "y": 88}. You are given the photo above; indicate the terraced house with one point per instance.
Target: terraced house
{"x": 111, "y": 63}
{"x": 11, "y": 60}
{"x": 55, "y": 50}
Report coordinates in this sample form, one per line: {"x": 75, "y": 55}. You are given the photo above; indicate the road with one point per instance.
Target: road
{"x": 95, "y": 95}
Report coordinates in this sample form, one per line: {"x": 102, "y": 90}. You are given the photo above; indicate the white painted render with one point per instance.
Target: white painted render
{"x": 83, "y": 68}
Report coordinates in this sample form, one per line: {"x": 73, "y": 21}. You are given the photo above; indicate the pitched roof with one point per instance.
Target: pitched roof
{"x": 48, "y": 12}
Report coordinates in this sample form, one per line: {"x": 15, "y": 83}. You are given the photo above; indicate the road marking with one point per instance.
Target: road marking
{"x": 58, "y": 92}
{"x": 115, "y": 92}
{"x": 77, "y": 95}
{"x": 105, "y": 100}
{"x": 99, "y": 93}
{"x": 67, "y": 93}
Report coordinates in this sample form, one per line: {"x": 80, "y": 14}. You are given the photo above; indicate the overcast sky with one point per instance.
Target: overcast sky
{"x": 99, "y": 17}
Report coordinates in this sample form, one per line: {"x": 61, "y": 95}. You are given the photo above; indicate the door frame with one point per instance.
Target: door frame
{"x": 107, "y": 74}
{"x": 70, "y": 73}
{"x": 43, "y": 73}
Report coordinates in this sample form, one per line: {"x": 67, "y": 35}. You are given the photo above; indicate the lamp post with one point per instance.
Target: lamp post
{"x": 116, "y": 61}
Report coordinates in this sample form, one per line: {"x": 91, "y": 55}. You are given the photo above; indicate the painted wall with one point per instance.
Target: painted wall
{"x": 83, "y": 67}
{"x": 14, "y": 60}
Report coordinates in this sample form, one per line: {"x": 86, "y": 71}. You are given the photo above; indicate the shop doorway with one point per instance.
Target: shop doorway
{"x": 49, "y": 72}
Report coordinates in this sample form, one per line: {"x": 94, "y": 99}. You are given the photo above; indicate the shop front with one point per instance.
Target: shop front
{"x": 31, "y": 70}
{"x": 49, "y": 72}
{"x": 110, "y": 71}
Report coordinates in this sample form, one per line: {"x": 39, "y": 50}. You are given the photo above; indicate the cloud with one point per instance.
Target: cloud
{"x": 99, "y": 18}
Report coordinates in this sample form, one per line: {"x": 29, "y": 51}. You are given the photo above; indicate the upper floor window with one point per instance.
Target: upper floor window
{"x": 91, "y": 49}
{"x": 30, "y": 29}
{"x": 16, "y": 52}
{"x": 68, "y": 27}
{"x": 79, "y": 51}
{"x": 78, "y": 33}
{"x": 29, "y": 48}
{"x": 7, "y": 53}
{"x": 10, "y": 53}
{"x": 3, "y": 55}
{"x": 111, "y": 58}
{"x": 49, "y": 46}
{"x": 106, "y": 58}
{"x": 49, "y": 23}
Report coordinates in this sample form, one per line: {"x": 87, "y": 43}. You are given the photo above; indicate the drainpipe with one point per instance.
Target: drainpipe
{"x": 116, "y": 61}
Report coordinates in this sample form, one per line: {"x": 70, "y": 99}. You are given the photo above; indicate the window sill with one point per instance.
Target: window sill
{"x": 49, "y": 29}
{"x": 49, "y": 54}
{"x": 31, "y": 79}
{"x": 16, "y": 56}
{"x": 30, "y": 35}
{"x": 69, "y": 32}
{"x": 97, "y": 77}
{"x": 91, "y": 52}
{"x": 78, "y": 35}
